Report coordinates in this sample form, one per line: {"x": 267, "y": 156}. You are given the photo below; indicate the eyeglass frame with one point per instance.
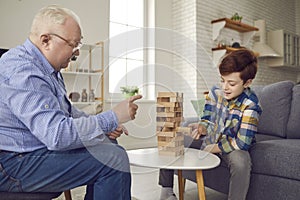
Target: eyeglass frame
{"x": 75, "y": 47}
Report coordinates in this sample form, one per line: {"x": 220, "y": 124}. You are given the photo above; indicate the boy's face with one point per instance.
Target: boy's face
{"x": 232, "y": 85}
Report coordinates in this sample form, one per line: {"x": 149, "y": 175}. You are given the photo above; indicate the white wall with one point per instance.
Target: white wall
{"x": 17, "y": 15}
{"x": 193, "y": 19}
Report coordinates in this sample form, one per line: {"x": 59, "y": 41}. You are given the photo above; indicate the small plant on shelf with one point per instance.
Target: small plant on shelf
{"x": 236, "y": 17}
{"x": 129, "y": 91}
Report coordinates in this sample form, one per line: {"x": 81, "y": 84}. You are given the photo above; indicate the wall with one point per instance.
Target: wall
{"x": 279, "y": 14}
{"x": 17, "y": 16}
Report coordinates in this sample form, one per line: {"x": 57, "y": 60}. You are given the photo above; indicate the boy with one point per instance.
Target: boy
{"x": 229, "y": 123}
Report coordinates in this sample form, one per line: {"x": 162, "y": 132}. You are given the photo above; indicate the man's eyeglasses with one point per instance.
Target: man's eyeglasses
{"x": 75, "y": 47}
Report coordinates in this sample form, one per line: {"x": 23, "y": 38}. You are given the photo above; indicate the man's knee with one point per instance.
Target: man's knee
{"x": 111, "y": 155}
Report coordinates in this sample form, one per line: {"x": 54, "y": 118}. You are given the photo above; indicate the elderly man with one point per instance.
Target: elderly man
{"x": 46, "y": 144}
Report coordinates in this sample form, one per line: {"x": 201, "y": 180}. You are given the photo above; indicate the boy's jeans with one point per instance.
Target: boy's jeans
{"x": 239, "y": 164}
{"x": 104, "y": 168}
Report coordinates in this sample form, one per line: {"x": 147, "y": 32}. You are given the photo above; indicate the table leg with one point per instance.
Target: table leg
{"x": 181, "y": 185}
{"x": 200, "y": 184}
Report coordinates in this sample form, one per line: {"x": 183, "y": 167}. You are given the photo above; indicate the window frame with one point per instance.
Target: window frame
{"x": 148, "y": 57}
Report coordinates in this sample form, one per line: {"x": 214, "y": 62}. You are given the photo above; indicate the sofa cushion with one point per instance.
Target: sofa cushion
{"x": 293, "y": 127}
{"x": 275, "y": 100}
{"x": 277, "y": 158}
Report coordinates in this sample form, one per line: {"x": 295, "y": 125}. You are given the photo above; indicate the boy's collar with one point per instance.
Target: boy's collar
{"x": 239, "y": 99}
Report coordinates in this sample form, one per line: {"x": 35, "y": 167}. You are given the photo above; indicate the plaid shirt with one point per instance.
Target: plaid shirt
{"x": 230, "y": 124}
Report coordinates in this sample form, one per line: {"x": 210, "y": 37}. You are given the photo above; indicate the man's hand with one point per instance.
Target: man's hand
{"x": 126, "y": 110}
{"x": 117, "y": 132}
{"x": 197, "y": 130}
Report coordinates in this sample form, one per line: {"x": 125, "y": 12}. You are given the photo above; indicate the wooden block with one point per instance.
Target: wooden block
{"x": 160, "y": 109}
{"x": 186, "y": 130}
{"x": 175, "y": 138}
{"x": 167, "y": 124}
{"x": 169, "y": 134}
{"x": 167, "y": 114}
{"x": 169, "y": 99}
{"x": 166, "y": 134}
{"x": 167, "y": 94}
{"x": 168, "y": 119}
{"x": 168, "y": 104}
{"x": 161, "y": 141}
{"x": 168, "y": 129}
{"x": 171, "y": 151}
{"x": 175, "y": 99}
{"x": 163, "y": 99}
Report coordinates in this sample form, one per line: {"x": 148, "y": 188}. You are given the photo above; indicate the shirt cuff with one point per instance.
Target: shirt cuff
{"x": 108, "y": 121}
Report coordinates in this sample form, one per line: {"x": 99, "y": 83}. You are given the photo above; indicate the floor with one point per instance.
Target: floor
{"x": 145, "y": 187}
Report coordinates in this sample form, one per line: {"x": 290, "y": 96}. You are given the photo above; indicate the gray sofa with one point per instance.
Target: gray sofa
{"x": 276, "y": 155}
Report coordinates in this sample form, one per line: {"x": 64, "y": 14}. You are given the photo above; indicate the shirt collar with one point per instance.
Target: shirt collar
{"x": 238, "y": 101}
{"x": 37, "y": 54}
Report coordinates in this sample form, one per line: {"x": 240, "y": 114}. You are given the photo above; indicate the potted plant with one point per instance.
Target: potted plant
{"x": 236, "y": 17}
{"x": 129, "y": 91}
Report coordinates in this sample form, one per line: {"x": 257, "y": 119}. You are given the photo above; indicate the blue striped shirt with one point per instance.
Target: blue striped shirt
{"x": 231, "y": 124}
{"x": 35, "y": 111}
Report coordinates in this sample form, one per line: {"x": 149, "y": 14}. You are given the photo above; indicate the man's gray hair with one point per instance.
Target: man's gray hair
{"x": 52, "y": 14}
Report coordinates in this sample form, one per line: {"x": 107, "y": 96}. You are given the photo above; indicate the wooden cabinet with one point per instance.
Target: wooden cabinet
{"x": 217, "y": 25}
{"x": 287, "y": 45}
{"x": 86, "y": 73}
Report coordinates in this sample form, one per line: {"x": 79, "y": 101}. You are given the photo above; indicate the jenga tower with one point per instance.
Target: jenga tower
{"x": 168, "y": 119}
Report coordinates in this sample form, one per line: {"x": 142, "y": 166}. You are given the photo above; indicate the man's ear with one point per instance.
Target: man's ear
{"x": 248, "y": 83}
{"x": 44, "y": 39}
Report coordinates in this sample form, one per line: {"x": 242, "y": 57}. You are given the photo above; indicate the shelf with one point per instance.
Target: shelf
{"x": 86, "y": 103}
{"x": 235, "y": 25}
{"x": 86, "y": 73}
{"x": 219, "y": 24}
{"x": 91, "y": 46}
{"x": 228, "y": 49}
{"x": 247, "y": 32}
{"x": 82, "y": 73}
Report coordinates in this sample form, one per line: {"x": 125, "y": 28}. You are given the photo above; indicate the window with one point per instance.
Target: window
{"x": 126, "y": 52}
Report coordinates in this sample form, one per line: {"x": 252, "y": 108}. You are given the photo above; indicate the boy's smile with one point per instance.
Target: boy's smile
{"x": 232, "y": 85}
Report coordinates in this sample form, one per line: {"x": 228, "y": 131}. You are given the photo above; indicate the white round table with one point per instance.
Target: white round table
{"x": 192, "y": 159}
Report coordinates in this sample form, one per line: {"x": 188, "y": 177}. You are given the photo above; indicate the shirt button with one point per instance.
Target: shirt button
{"x": 46, "y": 106}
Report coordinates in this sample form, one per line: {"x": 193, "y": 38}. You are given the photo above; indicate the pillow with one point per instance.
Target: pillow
{"x": 275, "y": 100}
{"x": 198, "y": 106}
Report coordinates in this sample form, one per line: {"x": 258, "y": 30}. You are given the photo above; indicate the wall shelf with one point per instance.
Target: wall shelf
{"x": 221, "y": 23}
{"x": 228, "y": 49}
{"x": 218, "y": 24}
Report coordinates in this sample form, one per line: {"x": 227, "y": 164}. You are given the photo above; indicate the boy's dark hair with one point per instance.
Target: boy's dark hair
{"x": 243, "y": 61}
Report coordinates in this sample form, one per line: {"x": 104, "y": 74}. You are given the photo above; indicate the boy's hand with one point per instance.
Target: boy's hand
{"x": 197, "y": 130}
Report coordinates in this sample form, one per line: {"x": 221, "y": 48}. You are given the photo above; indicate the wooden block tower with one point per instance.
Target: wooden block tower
{"x": 169, "y": 116}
